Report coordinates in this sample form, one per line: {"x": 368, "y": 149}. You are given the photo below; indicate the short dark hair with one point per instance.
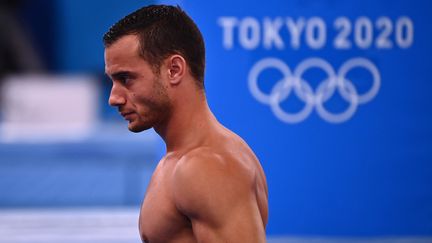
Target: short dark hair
{"x": 162, "y": 31}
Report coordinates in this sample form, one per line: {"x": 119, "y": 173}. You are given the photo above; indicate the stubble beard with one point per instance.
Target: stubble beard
{"x": 158, "y": 108}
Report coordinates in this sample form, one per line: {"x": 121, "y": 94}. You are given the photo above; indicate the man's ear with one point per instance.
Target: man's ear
{"x": 176, "y": 68}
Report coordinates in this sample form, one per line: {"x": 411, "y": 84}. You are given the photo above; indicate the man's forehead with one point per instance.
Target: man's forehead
{"x": 125, "y": 46}
{"x": 121, "y": 53}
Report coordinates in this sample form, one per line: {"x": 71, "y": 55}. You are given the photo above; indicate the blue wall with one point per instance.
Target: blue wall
{"x": 81, "y": 26}
{"x": 365, "y": 174}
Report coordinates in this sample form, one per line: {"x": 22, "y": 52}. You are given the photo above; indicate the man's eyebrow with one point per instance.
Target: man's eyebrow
{"x": 120, "y": 74}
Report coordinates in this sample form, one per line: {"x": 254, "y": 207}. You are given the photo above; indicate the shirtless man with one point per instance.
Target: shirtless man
{"x": 209, "y": 187}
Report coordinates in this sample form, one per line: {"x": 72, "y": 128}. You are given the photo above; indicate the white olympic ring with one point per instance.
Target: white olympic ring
{"x": 293, "y": 81}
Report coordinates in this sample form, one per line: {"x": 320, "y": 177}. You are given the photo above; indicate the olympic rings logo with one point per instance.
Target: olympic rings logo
{"x": 293, "y": 81}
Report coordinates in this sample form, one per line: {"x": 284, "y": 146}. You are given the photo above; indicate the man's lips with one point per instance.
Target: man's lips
{"x": 127, "y": 114}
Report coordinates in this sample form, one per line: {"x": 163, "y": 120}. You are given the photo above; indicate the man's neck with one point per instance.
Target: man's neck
{"x": 188, "y": 125}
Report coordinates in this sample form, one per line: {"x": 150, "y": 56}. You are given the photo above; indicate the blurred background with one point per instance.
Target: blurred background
{"x": 333, "y": 96}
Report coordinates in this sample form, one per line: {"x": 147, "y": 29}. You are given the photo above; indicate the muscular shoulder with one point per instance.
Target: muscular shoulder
{"x": 206, "y": 161}
{"x": 208, "y": 180}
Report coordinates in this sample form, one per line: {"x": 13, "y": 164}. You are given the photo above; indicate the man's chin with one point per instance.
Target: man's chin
{"x": 138, "y": 128}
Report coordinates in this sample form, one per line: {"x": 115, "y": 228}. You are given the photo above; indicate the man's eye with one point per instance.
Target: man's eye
{"x": 125, "y": 80}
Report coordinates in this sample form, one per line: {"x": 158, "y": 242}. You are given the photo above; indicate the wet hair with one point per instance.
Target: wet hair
{"x": 162, "y": 31}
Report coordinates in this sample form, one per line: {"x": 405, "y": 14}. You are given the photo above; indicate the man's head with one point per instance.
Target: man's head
{"x": 162, "y": 31}
{"x": 148, "y": 54}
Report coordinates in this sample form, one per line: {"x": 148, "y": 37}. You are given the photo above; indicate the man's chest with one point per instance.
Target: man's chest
{"x": 159, "y": 218}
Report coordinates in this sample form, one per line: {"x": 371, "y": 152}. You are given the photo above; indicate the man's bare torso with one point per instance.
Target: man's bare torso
{"x": 160, "y": 217}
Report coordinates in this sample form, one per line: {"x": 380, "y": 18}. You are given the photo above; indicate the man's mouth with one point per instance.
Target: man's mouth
{"x": 127, "y": 115}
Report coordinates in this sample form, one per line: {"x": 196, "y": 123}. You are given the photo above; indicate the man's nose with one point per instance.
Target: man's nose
{"x": 116, "y": 97}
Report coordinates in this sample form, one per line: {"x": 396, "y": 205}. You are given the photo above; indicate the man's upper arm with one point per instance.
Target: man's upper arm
{"x": 219, "y": 199}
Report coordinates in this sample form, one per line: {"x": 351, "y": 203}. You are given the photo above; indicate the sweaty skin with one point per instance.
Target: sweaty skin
{"x": 209, "y": 187}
